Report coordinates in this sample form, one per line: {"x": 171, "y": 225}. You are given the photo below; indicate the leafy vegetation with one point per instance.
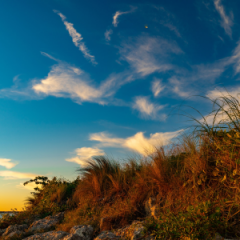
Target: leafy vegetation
{"x": 195, "y": 184}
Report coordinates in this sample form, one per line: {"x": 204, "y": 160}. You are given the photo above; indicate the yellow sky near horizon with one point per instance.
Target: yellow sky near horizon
{"x": 13, "y": 195}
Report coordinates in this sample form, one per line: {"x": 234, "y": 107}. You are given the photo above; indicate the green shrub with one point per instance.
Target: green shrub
{"x": 200, "y": 222}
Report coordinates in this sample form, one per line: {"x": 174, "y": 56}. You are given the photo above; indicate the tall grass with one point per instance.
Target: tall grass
{"x": 200, "y": 175}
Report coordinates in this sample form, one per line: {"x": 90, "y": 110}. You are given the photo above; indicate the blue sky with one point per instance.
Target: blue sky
{"x": 87, "y": 78}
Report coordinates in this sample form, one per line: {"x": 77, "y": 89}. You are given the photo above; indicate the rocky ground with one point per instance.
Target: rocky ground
{"x": 43, "y": 229}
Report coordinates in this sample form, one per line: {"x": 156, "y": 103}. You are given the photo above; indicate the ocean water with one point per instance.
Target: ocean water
{"x": 2, "y": 213}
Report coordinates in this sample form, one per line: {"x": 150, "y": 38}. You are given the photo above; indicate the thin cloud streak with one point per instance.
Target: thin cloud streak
{"x": 76, "y": 38}
{"x": 118, "y": 14}
{"x": 227, "y": 21}
{"x": 16, "y": 175}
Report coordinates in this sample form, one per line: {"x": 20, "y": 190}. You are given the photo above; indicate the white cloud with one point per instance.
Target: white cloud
{"x": 30, "y": 186}
{"x": 119, "y": 13}
{"x": 227, "y": 21}
{"x": 76, "y": 38}
{"x": 84, "y": 155}
{"x": 70, "y": 82}
{"x": 148, "y": 109}
{"x": 177, "y": 88}
{"x": 107, "y": 34}
{"x": 190, "y": 82}
{"x": 138, "y": 143}
{"x": 157, "y": 87}
{"x": 235, "y": 58}
{"x": 219, "y": 93}
{"x": 16, "y": 175}
{"x": 7, "y": 163}
{"x": 148, "y": 55}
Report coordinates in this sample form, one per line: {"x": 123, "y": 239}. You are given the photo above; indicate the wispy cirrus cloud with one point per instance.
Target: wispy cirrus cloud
{"x": 108, "y": 34}
{"x": 118, "y": 14}
{"x": 147, "y": 109}
{"x": 157, "y": 87}
{"x": 7, "y": 163}
{"x": 76, "y": 38}
{"x": 150, "y": 54}
{"x": 138, "y": 142}
{"x": 84, "y": 155}
{"x": 187, "y": 82}
{"x": 227, "y": 21}
{"x": 67, "y": 81}
{"x": 16, "y": 175}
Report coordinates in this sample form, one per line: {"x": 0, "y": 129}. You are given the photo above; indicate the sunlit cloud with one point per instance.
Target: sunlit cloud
{"x": 148, "y": 109}
{"x": 84, "y": 155}
{"x": 118, "y": 14}
{"x": 76, "y": 38}
{"x": 70, "y": 82}
{"x": 220, "y": 93}
{"x": 138, "y": 143}
{"x": 156, "y": 87}
{"x": 227, "y": 21}
{"x": 30, "y": 186}
{"x": 7, "y": 163}
{"x": 16, "y": 175}
{"x": 149, "y": 55}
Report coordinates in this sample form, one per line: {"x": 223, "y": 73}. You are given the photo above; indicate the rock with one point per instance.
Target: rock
{"x": 80, "y": 232}
{"x": 151, "y": 208}
{"x": 2, "y": 231}
{"x": 52, "y": 235}
{"x": 16, "y": 229}
{"x": 106, "y": 223}
{"x": 73, "y": 236}
{"x": 46, "y": 223}
{"x": 107, "y": 235}
{"x": 219, "y": 237}
{"x": 132, "y": 232}
{"x": 16, "y": 234}
{"x": 83, "y": 231}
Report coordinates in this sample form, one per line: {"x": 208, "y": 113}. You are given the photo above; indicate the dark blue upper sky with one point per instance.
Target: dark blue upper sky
{"x": 87, "y": 78}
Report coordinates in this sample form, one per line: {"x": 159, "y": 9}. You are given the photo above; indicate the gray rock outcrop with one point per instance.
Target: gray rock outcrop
{"x": 14, "y": 231}
{"x": 52, "y": 235}
{"x": 45, "y": 224}
{"x": 2, "y": 231}
{"x": 107, "y": 235}
{"x": 80, "y": 232}
{"x": 132, "y": 232}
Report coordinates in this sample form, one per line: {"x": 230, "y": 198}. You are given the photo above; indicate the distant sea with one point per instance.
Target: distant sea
{"x": 2, "y": 213}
